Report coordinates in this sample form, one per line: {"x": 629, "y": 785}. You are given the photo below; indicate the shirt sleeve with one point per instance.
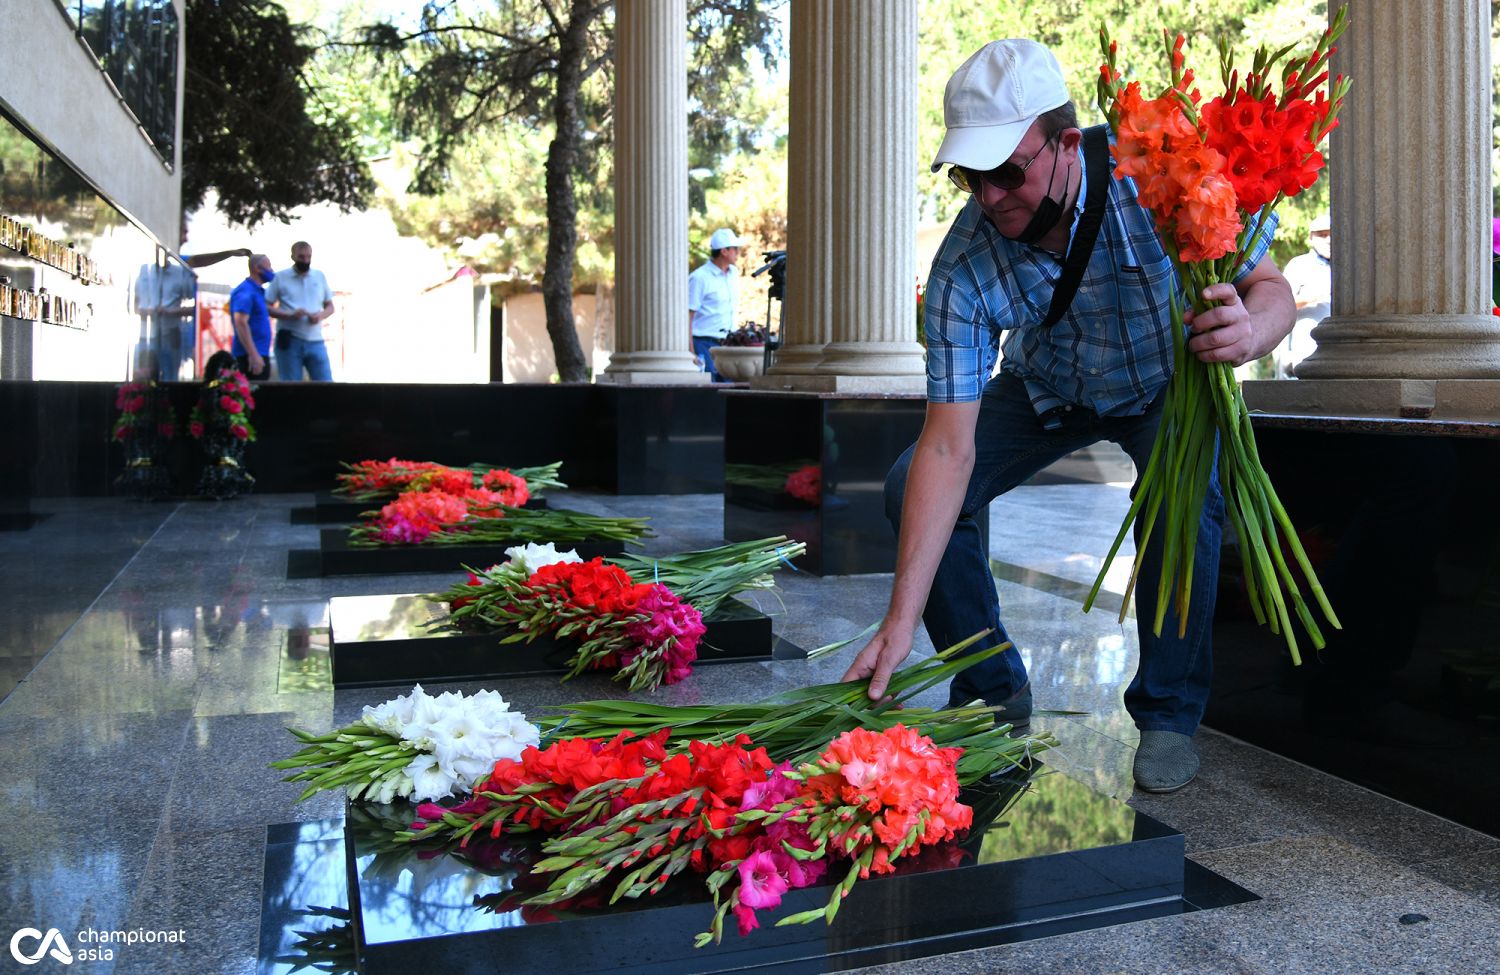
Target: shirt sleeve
{"x": 327, "y": 291}
{"x": 1264, "y": 233}
{"x": 695, "y": 292}
{"x": 239, "y": 301}
{"x": 957, "y": 342}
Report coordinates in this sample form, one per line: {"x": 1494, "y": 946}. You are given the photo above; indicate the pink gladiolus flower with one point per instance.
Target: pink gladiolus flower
{"x": 195, "y": 428}
{"x": 746, "y": 918}
{"x": 761, "y": 884}
{"x": 241, "y": 433}
{"x": 229, "y": 404}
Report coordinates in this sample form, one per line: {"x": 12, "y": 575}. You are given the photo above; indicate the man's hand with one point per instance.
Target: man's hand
{"x": 1251, "y": 318}
{"x": 1225, "y": 333}
{"x": 255, "y": 362}
{"x": 879, "y": 659}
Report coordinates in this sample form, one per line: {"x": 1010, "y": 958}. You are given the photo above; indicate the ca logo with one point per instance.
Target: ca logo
{"x": 53, "y": 940}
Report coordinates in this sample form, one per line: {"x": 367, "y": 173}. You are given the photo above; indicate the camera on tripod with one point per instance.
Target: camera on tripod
{"x": 776, "y": 264}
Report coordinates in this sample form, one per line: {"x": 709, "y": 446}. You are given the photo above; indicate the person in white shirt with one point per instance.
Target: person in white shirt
{"x": 299, "y": 300}
{"x": 713, "y": 291}
{"x": 1311, "y": 278}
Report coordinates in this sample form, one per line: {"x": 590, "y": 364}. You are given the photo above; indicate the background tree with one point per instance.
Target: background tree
{"x": 252, "y": 129}
{"x": 540, "y": 65}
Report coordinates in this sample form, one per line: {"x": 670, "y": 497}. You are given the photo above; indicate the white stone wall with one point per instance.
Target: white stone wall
{"x": 55, "y": 87}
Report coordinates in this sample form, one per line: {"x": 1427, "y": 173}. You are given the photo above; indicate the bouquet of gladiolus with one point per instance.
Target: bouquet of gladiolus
{"x": 759, "y": 798}
{"x": 223, "y": 408}
{"x": 379, "y": 480}
{"x": 135, "y": 420}
{"x": 1212, "y": 173}
{"x": 642, "y": 616}
{"x": 479, "y": 515}
{"x": 414, "y": 747}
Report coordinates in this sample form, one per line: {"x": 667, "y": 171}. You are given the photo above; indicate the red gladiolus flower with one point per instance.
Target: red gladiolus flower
{"x": 196, "y": 429}
{"x": 240, "y": 433}
{"x": 230, "y": 405}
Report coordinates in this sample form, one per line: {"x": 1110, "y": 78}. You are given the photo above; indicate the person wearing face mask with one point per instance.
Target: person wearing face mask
{"x": 1055, "y": 263}
{"x": 300, "y": 300}
{"x": 1311, "y": 278}
{"x": 252, "y": 322}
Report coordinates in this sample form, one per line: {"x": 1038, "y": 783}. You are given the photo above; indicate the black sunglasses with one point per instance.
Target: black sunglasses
{"x": 1006, "y": 176}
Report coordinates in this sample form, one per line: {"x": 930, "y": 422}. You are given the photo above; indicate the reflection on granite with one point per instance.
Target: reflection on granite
{"x": 195, "y": 621}
{"x": 1402, "y": 534}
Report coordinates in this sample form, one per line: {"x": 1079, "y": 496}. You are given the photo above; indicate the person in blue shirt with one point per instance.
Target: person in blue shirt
{"x": 252, "y": 322}
{"x": 713, "y": 292}
{"x": 1013, "y": 144}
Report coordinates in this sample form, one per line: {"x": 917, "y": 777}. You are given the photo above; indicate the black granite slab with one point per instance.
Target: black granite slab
{"x": 330, "y": 509}
{"x": 382, "y": 640}
{"x": 1062, "y": 858}
{"x": 1398, "y": 517}
{"x": 335, "y": 556}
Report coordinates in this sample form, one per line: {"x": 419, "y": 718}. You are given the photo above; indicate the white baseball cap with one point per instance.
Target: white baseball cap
{"x": 722, "y": 238}
{"x": 993, "y": 98}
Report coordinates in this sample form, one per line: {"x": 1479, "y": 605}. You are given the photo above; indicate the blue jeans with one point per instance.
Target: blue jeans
{"x": 300, "y": 353}
{"x": 1171, "y": 684}
{"x": 701, "y": 345}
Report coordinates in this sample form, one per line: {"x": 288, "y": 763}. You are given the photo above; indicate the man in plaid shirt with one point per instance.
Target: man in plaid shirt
{"x": 1014, "y": 145}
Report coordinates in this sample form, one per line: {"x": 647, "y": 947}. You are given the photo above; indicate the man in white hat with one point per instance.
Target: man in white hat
{"x": 1095, "y": 373}
{"x": 713, "y": 293}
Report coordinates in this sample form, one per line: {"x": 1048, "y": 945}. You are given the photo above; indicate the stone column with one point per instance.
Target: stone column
{"x": 873, "y": 345}
{"x": 1411, "y": 221}
{"x": 651, "y": 208}
{"x": 809, "y": 231}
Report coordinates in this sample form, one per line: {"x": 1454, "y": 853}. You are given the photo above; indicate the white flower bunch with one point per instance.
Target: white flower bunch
{"x": 531, "y": 556}
{"x": 416, "y": 747}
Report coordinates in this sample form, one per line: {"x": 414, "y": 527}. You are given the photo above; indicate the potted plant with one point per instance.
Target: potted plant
{"x": 742, "y": 354}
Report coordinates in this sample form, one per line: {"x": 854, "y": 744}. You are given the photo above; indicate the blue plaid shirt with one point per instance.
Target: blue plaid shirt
{"x": 1110, "y": 352}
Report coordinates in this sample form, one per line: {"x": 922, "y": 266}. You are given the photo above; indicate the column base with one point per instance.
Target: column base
{"x": 1419, "y": 399}
{"x": 892, "y": 359}
{"x": 797, "y": 360}
{"x": 656, "y": 378}
{"x": 1433, "y": 347}
{"x": 857, "y": 385}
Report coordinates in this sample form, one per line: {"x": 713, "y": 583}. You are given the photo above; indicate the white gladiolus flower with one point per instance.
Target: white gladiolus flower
{"x": 531, "y": 556}
{"x": 458, "y": 739}
{"x": 429, "y": 780}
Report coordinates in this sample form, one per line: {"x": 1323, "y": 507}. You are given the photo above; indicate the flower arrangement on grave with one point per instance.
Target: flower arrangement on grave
{"x": 382, "y": 480}
{"x": 755, "y": 799}
{"x": 1212, "y": 173}
{"x": 417, "y": 747}
{"x": 437, "y": 517}
{"x": 145, "y": 426}
{"x": 637, "y": 616}
{"x": 220, "y": 421}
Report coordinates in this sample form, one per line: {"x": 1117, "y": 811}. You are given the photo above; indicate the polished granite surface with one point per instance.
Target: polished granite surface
{"x": 159, "y": 676}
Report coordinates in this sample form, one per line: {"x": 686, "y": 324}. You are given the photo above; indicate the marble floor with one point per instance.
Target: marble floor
{"x": 148, "y": 677}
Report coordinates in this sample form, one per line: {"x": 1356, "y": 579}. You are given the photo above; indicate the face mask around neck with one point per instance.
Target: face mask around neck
{"x": 1049, "y": 212}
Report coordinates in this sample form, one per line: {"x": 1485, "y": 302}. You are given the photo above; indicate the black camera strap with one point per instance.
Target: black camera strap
{"x": 1096, "y": 161}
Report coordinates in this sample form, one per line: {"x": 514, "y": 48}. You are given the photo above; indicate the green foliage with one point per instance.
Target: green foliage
{"x": 252, "y": 127}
